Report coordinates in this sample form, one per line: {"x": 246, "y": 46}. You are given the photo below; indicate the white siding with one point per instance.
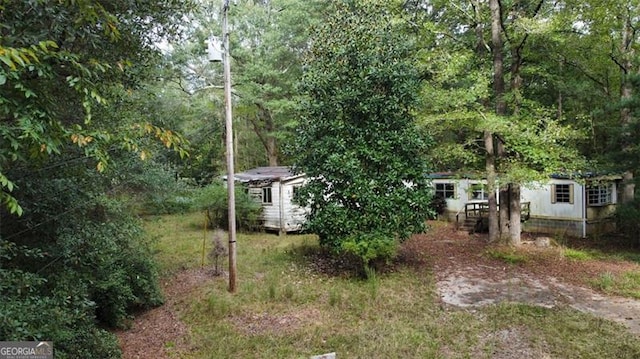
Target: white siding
{"x": 271, "y": 211}
{"x": 540, "y": 196}
{"x": 462, "y": 192}
{"x": 282, "y": 214}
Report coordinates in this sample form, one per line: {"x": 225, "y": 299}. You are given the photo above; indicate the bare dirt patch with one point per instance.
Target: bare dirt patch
{"x": 468, "y": 277}
{"x": 159, "y": 332}
{"x": 282, "y": 324}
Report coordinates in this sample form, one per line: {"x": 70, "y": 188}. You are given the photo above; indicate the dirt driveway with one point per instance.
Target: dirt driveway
{"x": 468, "y": 277}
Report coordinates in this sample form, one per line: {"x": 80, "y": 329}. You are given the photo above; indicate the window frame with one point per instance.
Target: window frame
{"x": 602, "y": 192}
{"x": 267, "y": 196}
{"x": 481, "y": 189}
{"x": 444, "y": 190}
{"x": 567, "y": 195}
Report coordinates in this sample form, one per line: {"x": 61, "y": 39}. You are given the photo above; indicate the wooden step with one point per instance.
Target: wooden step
{"x": 473, "y": 225}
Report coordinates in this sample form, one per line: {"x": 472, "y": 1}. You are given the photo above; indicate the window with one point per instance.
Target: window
{"x": 479, "y": 192}
{"x": 599, "y": 195}
{"x": 562, "y": 193}
{"x": 255, "y": 194}
{"x": 445, "y": 190}
{"x": 266, "y": 195}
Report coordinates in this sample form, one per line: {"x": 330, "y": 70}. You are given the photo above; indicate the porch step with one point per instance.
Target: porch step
{"x": 471, "y": 224}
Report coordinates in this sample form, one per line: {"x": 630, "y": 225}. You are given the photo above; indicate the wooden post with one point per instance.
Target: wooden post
{"x": 229, "y": 150}
{"x": 204, "y": 237}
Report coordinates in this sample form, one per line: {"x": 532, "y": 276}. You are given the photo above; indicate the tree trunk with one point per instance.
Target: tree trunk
{"x": 626, "y": 118}
{"x": 515, "y": 224}
{"x": 498, "y": 61}
{"x": 272, "y": 151}
{"x": 264, "y": 127}
{"x": 497, "y": 49}
{"x": 504, "y": 198}
{"x": 490, "y": 168}
{"x": 481, "y": 46}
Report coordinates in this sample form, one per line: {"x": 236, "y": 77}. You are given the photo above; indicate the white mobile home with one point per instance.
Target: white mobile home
{"x": 575, "y": 207}
{"x": 273, "y": 188}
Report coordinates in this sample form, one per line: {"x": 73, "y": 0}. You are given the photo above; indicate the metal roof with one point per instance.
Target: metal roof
{"x": 268, "y": 174}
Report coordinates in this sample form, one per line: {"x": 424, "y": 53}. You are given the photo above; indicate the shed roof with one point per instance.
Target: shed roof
{"x": 266, "y": 174}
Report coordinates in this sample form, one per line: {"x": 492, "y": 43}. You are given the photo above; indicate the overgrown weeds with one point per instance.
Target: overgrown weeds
{"x": 296, "y": 300}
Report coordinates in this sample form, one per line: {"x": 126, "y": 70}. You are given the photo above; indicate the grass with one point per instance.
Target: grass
{"x": 507, "y": 255}
{"x": 578, "y": 255}
{"x": 286, "y": 308}
{"x": 626, "y": 284}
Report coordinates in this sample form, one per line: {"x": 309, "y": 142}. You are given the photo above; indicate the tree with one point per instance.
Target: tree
{"x": 72, "y": 73}
{"x": 612, "y": 66}
{"x": 357, "y": 140}
{"x": 477, "y": 48}
{"x": 60, "y": 63}
{"x": 268, "y": 39}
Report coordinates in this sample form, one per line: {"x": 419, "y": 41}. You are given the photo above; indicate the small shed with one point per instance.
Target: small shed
{"x": 274, "y": 188}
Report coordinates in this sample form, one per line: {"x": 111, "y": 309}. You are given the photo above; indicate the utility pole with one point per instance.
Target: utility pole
{"x": 229, "y": 148}
{"x": 220, "y": 52}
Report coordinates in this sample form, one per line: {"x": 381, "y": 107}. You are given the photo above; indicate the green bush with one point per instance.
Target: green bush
{"x": 35, "y": 308}
{"x": 627, "y": 223}
{"x": 153, "y": 188}
{"x": 214, "y": 199}
{"x": 371, "y": 247}
{"x": 357, "y": 140}
{"x": 74, "y": 263}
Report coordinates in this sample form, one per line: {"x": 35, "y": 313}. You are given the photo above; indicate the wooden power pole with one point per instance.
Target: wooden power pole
{"x": 229, "y": 149}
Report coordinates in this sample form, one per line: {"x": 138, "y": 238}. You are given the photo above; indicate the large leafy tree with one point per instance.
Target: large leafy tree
{"x": 61, "y": 62}
{"x": 357, "y": 140}
{"x": 268, "y": 39}
{"x": 72, "y": 78}
{"x": 483, "y": 97}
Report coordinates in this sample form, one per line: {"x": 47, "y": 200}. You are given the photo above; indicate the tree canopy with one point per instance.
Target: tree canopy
{"x": 77, "y": 114}
{"x": 357, "y": 140}
{"x": 61, "y": 64}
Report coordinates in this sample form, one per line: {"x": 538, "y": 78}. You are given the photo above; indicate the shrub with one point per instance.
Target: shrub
{"x": 357, "y": 139}
{"x": 438, "y": 205}
{"x": 153, "y": 188}
{"x": 36, "y": 308}
{"x": 627, "y": 223}
{"x": 214, "y": 199}
{"x": 74, "y": 263}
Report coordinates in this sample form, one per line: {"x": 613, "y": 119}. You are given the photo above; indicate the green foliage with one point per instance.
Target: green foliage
{"x": 357, "y": 139}
{"x": 61, "y": 62}
{"x": 370, "y": 246}
{"x": 269, "y": 65}
{"x": 214, "y": 200}
{"x": 35, "y": 309}
{"x": 75, "y": 262}
{"x": 627, "y": 223}
{"x": 438, "y": 205}
{"x": 152, "y": 188}
{"x": 507, "y": 255}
